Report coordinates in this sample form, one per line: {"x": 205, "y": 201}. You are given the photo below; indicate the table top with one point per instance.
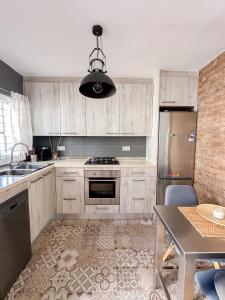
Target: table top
{"x": 185, "y": 236}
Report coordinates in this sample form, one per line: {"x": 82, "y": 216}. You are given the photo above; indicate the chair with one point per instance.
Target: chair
{"x": 212, "y": 283}
{"x": 179, "y": 195}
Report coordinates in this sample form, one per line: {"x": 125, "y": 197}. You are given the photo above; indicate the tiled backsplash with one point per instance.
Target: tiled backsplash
{"x": 95, "y": 146}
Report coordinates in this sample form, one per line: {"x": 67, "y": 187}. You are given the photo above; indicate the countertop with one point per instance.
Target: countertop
{"x": 8, "y": 182}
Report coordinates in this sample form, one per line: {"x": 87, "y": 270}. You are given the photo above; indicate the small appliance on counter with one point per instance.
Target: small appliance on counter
{"x": 102, "y": 161}
{"x": 46, "y": 153}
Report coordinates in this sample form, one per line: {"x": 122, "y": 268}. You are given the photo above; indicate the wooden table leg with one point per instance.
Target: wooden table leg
{"x": 186, "y": 277}
{"x": 159, "y": 242}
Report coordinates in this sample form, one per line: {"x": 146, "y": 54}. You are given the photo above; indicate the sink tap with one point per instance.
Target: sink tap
{"x": 12, "y": 151}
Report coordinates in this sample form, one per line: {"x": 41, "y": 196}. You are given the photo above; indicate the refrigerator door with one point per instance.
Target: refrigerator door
{"x": 177, "y": 132}
{"x": 163, "y": 183}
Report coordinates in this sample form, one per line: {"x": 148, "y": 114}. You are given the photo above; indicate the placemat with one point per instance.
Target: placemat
{"x": 204, "y": 227}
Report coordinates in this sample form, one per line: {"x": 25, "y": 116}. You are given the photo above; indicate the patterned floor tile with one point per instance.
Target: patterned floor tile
{"x": 94, "y": 260}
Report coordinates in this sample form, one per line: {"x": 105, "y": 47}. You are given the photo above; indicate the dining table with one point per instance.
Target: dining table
{"x": 190, "y": 246}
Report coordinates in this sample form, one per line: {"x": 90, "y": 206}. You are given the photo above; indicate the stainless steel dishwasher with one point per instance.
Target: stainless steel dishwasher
{"x": 15, "y": 243}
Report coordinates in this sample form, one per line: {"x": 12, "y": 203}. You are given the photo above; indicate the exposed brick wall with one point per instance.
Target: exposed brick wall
{"x": 210, "y": 147}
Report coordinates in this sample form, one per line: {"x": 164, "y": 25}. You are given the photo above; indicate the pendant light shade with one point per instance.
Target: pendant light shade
{"x": 97, "y": 84}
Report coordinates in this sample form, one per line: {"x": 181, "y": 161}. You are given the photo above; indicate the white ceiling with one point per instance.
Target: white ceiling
{"x": 53, "y": 37}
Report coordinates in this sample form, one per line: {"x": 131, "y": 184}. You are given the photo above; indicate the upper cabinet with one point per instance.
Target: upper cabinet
{"x": 45, "y": 107}
{"x": 72, "y": 107}
{"x": 59, "y": 108}
{"x": 178, "y": 88}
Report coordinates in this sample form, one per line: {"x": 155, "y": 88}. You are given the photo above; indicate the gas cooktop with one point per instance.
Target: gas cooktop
{"x": 102, "y": 161}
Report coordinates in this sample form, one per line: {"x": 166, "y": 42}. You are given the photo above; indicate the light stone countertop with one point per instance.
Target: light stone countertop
{"x": 9, "y": 182}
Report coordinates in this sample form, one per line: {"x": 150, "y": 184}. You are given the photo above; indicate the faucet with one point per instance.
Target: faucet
{"x": 12, "y": 150}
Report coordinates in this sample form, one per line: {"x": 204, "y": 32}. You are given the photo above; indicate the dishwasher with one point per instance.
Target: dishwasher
{"x": 15, "y": 241}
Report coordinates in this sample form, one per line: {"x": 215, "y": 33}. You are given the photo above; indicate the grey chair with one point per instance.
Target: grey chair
{"x": 179, "y": 195}
{"x": 212, "y": 284}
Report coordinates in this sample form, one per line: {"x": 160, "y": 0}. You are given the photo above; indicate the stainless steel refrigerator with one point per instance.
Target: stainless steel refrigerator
{"x": 176, "y": 151}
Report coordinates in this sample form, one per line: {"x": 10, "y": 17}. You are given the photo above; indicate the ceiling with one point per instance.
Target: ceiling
{"x": 53, "y": 37}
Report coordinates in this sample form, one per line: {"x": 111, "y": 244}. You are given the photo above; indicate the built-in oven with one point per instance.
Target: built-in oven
{"x": 102, "y": 187}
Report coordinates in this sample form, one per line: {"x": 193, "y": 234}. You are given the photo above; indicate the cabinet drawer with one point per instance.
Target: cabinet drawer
{"x": 102, "y": 209}
{"x": 70, "y": 172}
{"x": 137, "y": 172}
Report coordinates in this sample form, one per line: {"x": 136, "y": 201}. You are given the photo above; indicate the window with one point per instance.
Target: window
{"x": 6, "y": 141}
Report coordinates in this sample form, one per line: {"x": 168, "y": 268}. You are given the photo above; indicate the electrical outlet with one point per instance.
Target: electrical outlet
{"x": 126, "y": 148}
{"x": 61, "y": 148}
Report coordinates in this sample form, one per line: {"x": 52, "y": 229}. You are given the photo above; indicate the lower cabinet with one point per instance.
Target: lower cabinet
{"x": 41, "y": 201}
{"x": 102, "y": 209}
{"x": 70, "y": 195}
{"x": 137, "y": 194}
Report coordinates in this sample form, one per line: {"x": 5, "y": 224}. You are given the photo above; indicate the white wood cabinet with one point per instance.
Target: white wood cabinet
{"x": 178, "y": 88}
{"x": 72, "y": 108}
{"x": 70, "y": 195}
{"x": 95, "y": 117}
{"x": 42, "y": 201}
{"x": 137, "y": 191}
{"x": 102, "y": 209}
{"x": 136, "y": 109}
{"x": 45, "y": 107}
{"x": 57, "y": 107}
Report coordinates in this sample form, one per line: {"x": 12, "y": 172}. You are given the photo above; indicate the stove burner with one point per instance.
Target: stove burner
{"x": 102, "y": 161}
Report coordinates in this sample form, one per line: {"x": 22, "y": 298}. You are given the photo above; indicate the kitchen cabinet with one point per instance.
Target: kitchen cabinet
{"x": 112, "y": 110}
{"x": 102, "y": 209}
{"x": 42, "y": 202}
{"x": 178, "y": 89}
{"x": 95, "y": 117}
{"x": 137, "y": 192}
{"x": 72, "y": 109}
{"x": 45, "y": 107}
{"x": 70, "y": 195}
{"x": 136, "y": 109}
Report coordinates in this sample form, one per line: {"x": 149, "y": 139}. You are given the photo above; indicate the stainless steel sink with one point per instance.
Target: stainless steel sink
{"x": 16, "y": 172}
{"x": 30, "y": 167}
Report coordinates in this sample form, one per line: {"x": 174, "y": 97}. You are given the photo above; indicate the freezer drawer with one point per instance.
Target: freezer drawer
{"x": 163, "y": 183}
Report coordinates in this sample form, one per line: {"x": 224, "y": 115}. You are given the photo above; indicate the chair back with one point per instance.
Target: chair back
{"x": 183, "y": 195}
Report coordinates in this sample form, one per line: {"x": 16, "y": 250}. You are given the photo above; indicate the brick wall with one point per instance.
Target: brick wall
{"x": 210, "y": 147}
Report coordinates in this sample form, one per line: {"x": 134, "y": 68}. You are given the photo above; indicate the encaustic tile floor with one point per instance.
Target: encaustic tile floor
{"x": 92, "y": 259}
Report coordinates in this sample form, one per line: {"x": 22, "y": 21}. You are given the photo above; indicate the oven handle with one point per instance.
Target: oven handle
{"x": 102, "y": 180}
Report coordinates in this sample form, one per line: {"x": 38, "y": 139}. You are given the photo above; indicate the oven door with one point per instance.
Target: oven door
{"x": 100, "y": 190}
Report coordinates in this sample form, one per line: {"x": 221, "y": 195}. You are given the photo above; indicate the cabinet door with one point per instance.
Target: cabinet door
{"x": 50, "y": 195}
{"x": 178, "y": 90}
{"x": 45, "y": 107}
{"x": 136, "y": 109}
{"x": 70, "y": 195}
{"x": 96, "y": 117}
{"x": 136, "y": 195}
{"x": 36, "y": 206}
{"x": 113, "y": 113}
{"x": 72, "y": 105}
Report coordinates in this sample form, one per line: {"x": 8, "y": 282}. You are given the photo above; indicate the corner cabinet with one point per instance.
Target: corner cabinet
{"x": 178, "y": 88}
{"x": 45, "y": 107}
{"x": 58, "y": 108}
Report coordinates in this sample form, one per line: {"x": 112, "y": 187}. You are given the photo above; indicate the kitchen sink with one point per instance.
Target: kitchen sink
{"x": 30, "y": 167}
{"x": 16, "y": 172}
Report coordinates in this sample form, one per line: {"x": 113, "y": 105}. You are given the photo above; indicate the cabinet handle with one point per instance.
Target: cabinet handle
{"x": 69, "y": 133}
{"x": 70, "y": 199}
{"x": 69, "y": 179}
{"x": 168, "y": 101}
{"x": 53, "y": 133}
{"x": 133, "y": 173}
{"x": 128, "y": 133}
{"x": 139, "y": 180}
{"x": 138, "y": 198}
{"x": 101, "y": 208}
{"x": 33, "y": 181}
{"x": 70, "y": 173}
{"x": 112, "y": 133}
{"x": 47, "y": 173}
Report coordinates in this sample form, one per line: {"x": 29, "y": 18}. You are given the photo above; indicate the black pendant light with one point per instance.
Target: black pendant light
{"x": 97, "y": 84}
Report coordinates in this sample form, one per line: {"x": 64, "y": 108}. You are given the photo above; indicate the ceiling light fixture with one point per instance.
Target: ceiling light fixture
{"x": 97, "y": 84}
